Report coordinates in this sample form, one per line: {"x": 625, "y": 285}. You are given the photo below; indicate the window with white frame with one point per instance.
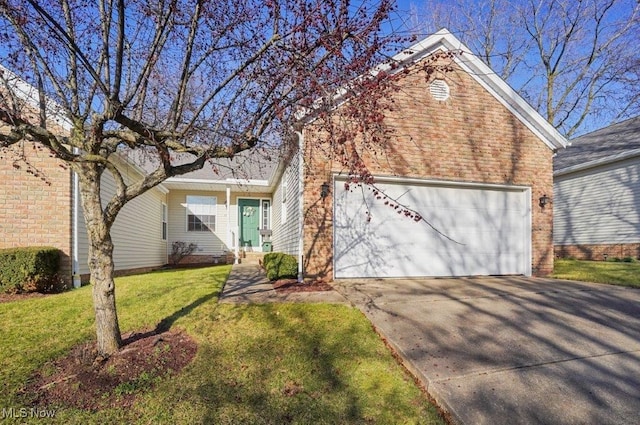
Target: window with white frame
{"x": 201, "y": 213}
{"x": 164, "y": 222}
{"x": 283, "y": 213}
{"x": 266, "y": 223}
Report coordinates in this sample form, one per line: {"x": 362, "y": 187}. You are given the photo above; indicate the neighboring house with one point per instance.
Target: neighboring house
{"x": 472, "y": 157}
{"x": 597, "y": 194}
{"x": 221, "y": 214}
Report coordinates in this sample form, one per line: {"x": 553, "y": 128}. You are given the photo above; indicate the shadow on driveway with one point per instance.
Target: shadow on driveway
{"x": 513, "y": 350}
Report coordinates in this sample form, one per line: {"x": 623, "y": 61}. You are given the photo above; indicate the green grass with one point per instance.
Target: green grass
{"x": 615, "y": 273}
{"x": 261, "y": 364}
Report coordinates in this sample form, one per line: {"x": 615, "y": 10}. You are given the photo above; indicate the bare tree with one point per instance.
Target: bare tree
{"x": 205, "y": 79}
{"x": 573, "y": 60}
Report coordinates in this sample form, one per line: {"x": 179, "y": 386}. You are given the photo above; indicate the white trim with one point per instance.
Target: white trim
{"x": 433, "y": 182}
{"x": 239, "y": 182}
{"x": 301, "y": 205}
{"x": 228, "y": 208}
{"x": 165, "y": 222}
{"x": 28, "y": 93}
{"x": 487, "y": 78}
{"x": 598, "y": 162}
{"x": 75, "y": 266}
{"x": 443, "y": 40}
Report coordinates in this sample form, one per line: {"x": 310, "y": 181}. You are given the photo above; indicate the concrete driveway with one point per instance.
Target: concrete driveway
{"x": 514, "y": 350}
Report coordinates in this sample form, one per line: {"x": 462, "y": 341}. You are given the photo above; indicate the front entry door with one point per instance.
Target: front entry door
{"x": 249, "y": 210}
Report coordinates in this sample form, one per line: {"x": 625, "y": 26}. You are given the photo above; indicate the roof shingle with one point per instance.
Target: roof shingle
{"x": 600, "y": 146}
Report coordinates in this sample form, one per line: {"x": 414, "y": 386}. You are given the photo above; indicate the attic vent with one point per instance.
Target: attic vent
{"x": 439, "y": 89}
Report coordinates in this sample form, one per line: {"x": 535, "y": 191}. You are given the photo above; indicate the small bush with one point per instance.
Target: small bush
{"x": 179, "y": 250}
{"x": 269, "y": 257}
{"x": 30, "y": 269}
{"x": 280, "y": 266}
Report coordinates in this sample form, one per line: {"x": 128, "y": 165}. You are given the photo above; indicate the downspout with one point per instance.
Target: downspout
{"x": 75, "y": 271}
{"x": 230, "y": 241}
{"x": 300, "y": 206}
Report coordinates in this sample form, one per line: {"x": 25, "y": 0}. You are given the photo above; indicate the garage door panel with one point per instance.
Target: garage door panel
{"x": 474, "y": 232}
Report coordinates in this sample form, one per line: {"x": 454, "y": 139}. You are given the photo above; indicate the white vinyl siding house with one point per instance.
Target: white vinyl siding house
{"x": 137, "y": 231}
{"x": 287, "y": 200}
{"x": 596, "y": 194}
{"x": 598, "y": 206}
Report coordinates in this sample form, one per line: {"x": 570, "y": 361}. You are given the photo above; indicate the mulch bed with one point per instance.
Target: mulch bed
{"x": 4, "y": 298}
{"x": 84, "y": 380}
{"x": 287, "y": 286}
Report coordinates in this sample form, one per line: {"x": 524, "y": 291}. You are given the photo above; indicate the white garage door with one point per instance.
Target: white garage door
{"x": 465, "y": 231}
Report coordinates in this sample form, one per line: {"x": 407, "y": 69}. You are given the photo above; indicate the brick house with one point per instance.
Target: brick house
{"x": 472, "y": 157}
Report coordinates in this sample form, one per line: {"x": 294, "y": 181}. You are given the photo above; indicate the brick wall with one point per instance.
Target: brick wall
{"x": 35, "y": 210}
{"x": 598, "y": 252}
{"x": 470, "y": 137}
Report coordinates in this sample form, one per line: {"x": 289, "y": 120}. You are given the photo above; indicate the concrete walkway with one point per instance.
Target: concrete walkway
{"x": 247, "y": 284}
{"x": 514, "y": 350}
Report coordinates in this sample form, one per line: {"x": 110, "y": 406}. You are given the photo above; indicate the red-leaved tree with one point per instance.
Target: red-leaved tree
{"x": 202, "y": 79}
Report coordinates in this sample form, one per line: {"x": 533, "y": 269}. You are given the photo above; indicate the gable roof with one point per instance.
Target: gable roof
{"x": 609, "y": 144}
{"x": 443, "y": 40}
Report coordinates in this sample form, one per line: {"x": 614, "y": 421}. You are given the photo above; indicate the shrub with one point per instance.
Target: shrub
{"x": 30, "y": 269}
{"x": 280, "y": 266}
{"x": 179, "y": 250}
{"x": 270, "y": 257}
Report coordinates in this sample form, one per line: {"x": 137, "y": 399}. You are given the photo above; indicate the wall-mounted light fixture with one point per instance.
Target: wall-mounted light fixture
{"x": 544, "y": 200}
{"x": 324, "y": 190}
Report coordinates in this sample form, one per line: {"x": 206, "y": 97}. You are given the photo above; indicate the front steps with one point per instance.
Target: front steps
{"x": 254, "y": 258}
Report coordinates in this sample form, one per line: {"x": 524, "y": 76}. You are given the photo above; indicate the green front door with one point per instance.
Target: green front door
{"x": 249, "y": 210}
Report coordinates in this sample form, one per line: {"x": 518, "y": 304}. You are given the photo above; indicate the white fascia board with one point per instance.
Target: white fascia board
{"x": 598, "y": 162}
{"x": 479, "y": 71}
{"x": 250, "y": 182}
{"x": 28, "y": 93}
{"x": 240, "y": 182}
{"x": 488, "y": 79}
{"x": 139, "y": 170}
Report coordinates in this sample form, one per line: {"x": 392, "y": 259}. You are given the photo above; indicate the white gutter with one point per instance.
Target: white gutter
{"x": 75, "y": 270}
{"x": 300, "y": 206}
{"x": 598, "y": 162}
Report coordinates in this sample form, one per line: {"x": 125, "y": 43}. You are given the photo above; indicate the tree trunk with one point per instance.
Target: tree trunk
{"x": 101, "y": 265}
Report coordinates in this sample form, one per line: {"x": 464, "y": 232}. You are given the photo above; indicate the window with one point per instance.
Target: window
{"x": 283, "y": 214}
{"x": 265, "y": 214}
{"x": 201, "y": 213}
{"x": 164, "y": 222}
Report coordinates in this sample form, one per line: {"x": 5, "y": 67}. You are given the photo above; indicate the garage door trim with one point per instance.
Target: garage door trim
{"x": 525, "y": 264}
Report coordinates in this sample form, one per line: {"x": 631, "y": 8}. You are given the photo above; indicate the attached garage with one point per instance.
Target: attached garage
{"x": 465, "y": 230}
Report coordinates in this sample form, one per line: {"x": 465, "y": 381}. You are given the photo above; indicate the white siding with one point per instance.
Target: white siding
{"x": 137, "y": 231}
{"x": 598, "y": 206}
{"x": 209, "y": 243}
{"x": 286, "y": 234}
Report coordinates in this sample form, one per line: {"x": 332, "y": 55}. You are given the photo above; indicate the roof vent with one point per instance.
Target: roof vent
{"x": 439, "y": 89}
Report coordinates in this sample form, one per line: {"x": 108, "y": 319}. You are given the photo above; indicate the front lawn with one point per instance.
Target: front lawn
{"x": 271, "y": 364}
{"x": 616, "y": 273}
